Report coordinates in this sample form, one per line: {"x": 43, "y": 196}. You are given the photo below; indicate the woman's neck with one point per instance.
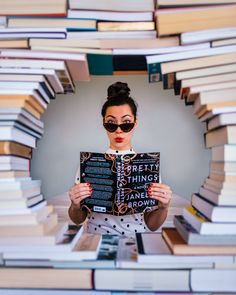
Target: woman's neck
{"x": 113, "y": 151}
{"x": 123, "y": 148}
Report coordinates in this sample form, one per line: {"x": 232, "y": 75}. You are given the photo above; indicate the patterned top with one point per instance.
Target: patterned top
{"x": 126, "y": 225}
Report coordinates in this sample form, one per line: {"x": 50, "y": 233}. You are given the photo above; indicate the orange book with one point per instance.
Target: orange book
{"x": 22, "y": 104}
{"x": 14, "y": 174}
{"x": 208, "y": 107}
{"x": 129, "y": 72}
{"x": 34, "y": 8}
{"x": 179, "y": 20}
{"x": 29, "y": 98}
{"x": 179, "y": 247}
{"x": 16, "y": 149}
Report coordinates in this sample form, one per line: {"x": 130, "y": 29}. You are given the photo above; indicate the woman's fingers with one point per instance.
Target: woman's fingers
{"x": 79, "y": 192}
{"x": 80, "y": 199}
{"x": 80, "y": 187}
{"x": 160, "y": 192}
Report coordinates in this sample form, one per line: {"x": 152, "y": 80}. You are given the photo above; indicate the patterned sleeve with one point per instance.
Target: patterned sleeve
{"x": 77, "y": 176}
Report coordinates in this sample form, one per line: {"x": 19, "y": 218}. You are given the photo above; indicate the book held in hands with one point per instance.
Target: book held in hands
{"x": 119, "y": 182}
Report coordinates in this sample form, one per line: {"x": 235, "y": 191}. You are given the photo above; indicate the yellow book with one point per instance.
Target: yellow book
{"x": 126, "y": 26}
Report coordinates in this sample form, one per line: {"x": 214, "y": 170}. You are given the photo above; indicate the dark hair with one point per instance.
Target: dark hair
{"x": 119, "y": 94}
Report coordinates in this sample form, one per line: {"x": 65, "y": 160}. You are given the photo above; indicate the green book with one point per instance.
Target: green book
{"x": 100, "y": 64}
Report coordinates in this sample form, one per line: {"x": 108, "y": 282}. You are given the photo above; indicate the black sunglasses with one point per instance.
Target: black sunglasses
{"x": 112, "y": 127}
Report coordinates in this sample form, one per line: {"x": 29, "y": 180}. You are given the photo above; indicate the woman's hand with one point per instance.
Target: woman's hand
{"x": 160, "y": 192}
{"x": 79, "y": 192}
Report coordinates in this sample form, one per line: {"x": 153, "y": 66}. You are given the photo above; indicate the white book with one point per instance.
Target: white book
{"x": 23, "y": 90}
{"x": 86, "y": 248}
{"x": 112, "y": 35}
{"x": 190, "y": 54}
{"x": 141, "y": 280}
{"x": 213, "y": 280}
{"x": 50, "y": 239}
{"x": 50, "y": 74}
{"x": 19, "y": 185}
{"x": 12, "y": 33}
{"x": 218, "y": 190}
{"x": 204, "y": 72}
{"x": 221, "y": 185}
{"x": 26, "y": 211}
{"x": 14, "y": 134}
{"x": 20, "y": 193}
{"x": 41, "y": 54}
{"x": 162, "y": 50}
{"x": 213, "y": 212}
{"x": 64, "y": 245}
{"x": 28, "y": 78}
{"x": 127, "y": 258}
{"x": 37, "y": 125}
{"x": 15, "y": 113}
{"x": 16, "y": 30}
{"x": 76, "y": 62}
{"x": 60, "y": 67}
{"x": 153, "y": 250}
{"x": 36, "y": 217}
{"x": 223, "y": 168}
{"x": 13, "y": 166}
{"x": 223, "y": 42}
{"x": 12, "y": 179}
{"x": 36, "y": 132}
{"x": 3, "y": 21}
{"x": 11, "y": 159}
{"x": 111, "y": 5}
{"x": 111, "y": 15}
{"x": 212, "y": 87}
{"x": 214, "y": 96}
{"x": 20, "y": 203}
{"x": 217, "y": 111}
{"x": 224, "y": 153}
{"x": 32, "y": 64}
{"x": 222, "y": 120}
{"x": 216, "y": 198}
{"x": 204, "y": 226}
{"x": 32, "y": 86}
{"x": 207, "y": 35}
{"x": 39, "y": 263}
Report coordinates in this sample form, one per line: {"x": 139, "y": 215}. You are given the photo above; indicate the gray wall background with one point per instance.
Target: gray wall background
{"x": 73, "y": 123}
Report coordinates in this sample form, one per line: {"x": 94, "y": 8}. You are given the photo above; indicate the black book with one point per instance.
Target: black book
{"x": 120, "y": 182}
{"x": 129, "y": 63}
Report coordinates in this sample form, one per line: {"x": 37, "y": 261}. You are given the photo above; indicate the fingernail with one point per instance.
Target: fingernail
{"x": 88, "y": 183}
{"x": 151, "y": 184}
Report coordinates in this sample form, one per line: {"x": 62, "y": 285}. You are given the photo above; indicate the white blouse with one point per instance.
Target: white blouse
{"x": 126, "y": 225}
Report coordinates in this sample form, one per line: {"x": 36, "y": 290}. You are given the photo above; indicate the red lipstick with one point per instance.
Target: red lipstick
{"x": 119, "y": 139}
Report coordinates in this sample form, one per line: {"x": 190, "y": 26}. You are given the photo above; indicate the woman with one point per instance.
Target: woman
{"x": 120, "y": 121}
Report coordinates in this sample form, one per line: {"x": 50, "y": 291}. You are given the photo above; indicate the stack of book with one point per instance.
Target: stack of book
{"x": 53, "y": 44}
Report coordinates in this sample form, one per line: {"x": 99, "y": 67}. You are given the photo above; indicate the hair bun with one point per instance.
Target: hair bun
{"x": 118, "y": 89}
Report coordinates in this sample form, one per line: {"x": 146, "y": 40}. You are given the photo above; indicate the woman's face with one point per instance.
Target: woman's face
{"x": 120, "y": 140}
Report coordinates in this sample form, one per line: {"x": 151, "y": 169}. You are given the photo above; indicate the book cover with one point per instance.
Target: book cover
{"x": 119, "y": 182}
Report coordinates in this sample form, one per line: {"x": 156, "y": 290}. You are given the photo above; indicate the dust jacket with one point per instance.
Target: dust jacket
{"x": 120, "y": 182}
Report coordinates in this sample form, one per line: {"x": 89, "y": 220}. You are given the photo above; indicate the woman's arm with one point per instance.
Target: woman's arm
{"x": 78, "y": 216}
{"x": 163, "y": 194}
{"x": 78, "y": 193}
{"x": 155, "y": 218}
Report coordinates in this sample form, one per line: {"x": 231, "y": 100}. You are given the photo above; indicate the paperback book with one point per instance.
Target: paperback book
{"x": 119, "y": 182}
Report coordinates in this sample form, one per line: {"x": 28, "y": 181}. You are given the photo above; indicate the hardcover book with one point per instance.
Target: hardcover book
{"x": 120, "y": 182}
